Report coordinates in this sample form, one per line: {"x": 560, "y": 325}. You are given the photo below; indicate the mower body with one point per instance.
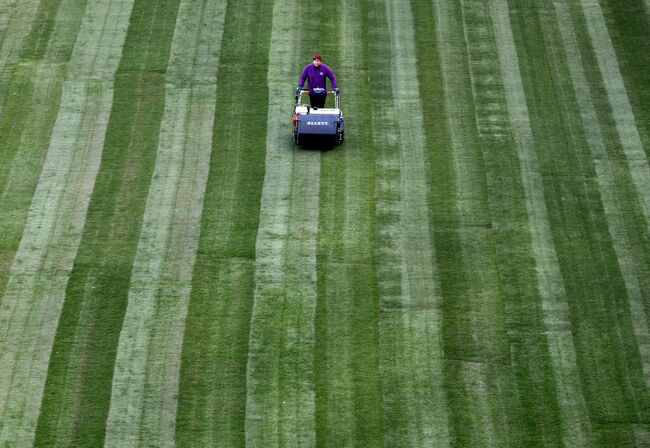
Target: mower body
{"x": 318, "y": 127}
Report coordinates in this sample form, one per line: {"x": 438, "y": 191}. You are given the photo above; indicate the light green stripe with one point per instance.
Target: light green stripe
{"x": 36, "y": 287}
{"x": 16, "y": 20}
{"x": 6, "y": 11}
{"x": 576, "y": 423}
{"x": 145, "y": 382}
{"x": 642, "y": 431}
{"x": 606, "y": 181}
{"x": 620, "y": 103}
{"x": 280, "y": 379}
{"x": 101, "y": 37}
{"x": 410, "y": 325}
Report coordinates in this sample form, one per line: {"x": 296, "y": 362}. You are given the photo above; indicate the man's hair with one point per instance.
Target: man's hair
{"x": 316, "y": 56}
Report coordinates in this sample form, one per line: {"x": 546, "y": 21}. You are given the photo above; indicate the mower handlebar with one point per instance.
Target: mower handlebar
{"x": 329, "y": 92}
{"x": 337, "y": 96}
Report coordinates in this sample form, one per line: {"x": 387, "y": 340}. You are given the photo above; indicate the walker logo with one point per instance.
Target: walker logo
{"x": 317, "y": 123}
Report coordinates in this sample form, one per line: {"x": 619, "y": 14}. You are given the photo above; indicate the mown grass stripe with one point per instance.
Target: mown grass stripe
{"x": 55, "y": 30}
{"x": 145, "y": 381}
{"x": 576, "y": 425}
{"x": 619, "y": 102}
{"x": 334, "y": 345}
{"x": 77, "y": 394}
{"x": 16, "y": 20}
{"x": 608, "y": 361}
{"x": 146, "y": 368}
{"x": 632, "y": 270}
{"x": 629, "y": 28}
{"x": 35, "y": 290}
{"x": 348, "y": 400}
{"x": 212, "y": 394}
{"x": 5, "y": 14}
{"x": 474, "y": 328}
{"x": 415, "y": 410}
{"x": 34, "y": 97}
{"x": 41, "y": 31}
{"x": 24, "y": 135}
{"x": 280, "y": 377}
{"x": 101, "y": 39}
{"x": 530, "y": 360}
{"x": 36, "y": 287}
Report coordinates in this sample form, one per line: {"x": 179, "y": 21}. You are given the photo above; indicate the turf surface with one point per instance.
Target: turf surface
{"x": 471, "y": 267}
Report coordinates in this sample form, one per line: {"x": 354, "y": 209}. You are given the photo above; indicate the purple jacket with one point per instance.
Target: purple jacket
{"x": 316, "y": 76}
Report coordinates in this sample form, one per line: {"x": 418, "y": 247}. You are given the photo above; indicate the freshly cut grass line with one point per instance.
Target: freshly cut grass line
{"x": 280, "y": 378}
{"x": 348, "y": 383}
{"x": 409, "y": 286}
{"x": 620, "y": 103}
{"x": 554, "y": 300}
{"x": 36, "y": 288}
{"x": 145, "y": 383}
{"x": 16, "y": 18}
{"x": 607, "y": 183}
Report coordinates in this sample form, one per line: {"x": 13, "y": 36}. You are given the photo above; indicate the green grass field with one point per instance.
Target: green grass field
{"x": 471, "y": 268}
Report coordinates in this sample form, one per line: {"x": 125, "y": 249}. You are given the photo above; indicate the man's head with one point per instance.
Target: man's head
{"x": 316, "y": 59}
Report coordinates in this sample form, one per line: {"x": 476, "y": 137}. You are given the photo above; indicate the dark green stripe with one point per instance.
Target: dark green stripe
{"x": 78, "y": 389}
{"x": 39, "y": 36}
{"x": 212, "y": 396}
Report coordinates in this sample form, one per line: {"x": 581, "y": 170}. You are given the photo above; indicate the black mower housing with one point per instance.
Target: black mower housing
{"x": 318, "y": 127}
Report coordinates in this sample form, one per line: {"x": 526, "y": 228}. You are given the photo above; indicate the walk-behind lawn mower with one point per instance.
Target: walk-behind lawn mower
{"x": 318, "y": 127}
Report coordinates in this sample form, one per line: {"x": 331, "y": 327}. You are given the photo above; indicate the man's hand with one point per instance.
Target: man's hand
{"x": 298, "y": 90}
{"x": 337, "y": 90}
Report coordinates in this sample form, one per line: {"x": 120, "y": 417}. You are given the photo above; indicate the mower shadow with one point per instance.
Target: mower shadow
{"x": 316, "y": 148}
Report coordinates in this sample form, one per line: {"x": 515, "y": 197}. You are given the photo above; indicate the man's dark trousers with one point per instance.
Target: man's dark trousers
{"x": 317, "y": 100}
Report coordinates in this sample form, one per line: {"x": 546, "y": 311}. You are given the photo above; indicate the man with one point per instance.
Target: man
{"x": 315, "y": 73}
